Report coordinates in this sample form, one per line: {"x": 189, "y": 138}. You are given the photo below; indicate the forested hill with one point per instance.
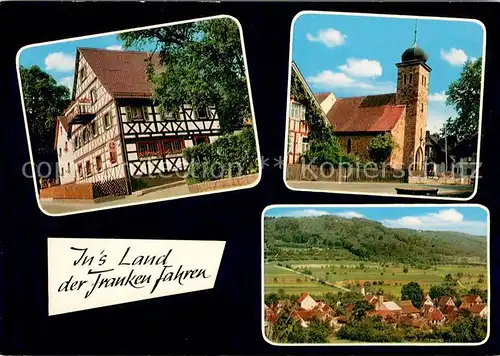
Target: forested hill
{"x": 360, "y": 239}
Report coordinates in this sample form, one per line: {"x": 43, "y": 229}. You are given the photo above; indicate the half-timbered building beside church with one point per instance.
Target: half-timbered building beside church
{"x": 113, "y": 130}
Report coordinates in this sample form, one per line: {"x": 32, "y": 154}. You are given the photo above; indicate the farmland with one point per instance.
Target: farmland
{"x": 354, "y": 274}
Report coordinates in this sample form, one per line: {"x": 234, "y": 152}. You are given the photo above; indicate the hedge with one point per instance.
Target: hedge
{"x": 231, "y": 155}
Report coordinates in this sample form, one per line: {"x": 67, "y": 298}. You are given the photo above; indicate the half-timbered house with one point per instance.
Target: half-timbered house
{"x": 116, "y": 129}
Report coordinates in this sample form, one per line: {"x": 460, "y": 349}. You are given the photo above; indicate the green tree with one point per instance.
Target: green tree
{"x": 203, "y": 64}
{"x": 480, "y": 292}
{"x": 270, "y": 299}
{"x": 464, "y": 95}
{"x": 324, "y": 151}
{"x": 405, "y": 269}
{"x": 360, "y": 308}
{"x": 412, "y": 291}
{"x": 469, "y": 328}
{"x": 44, "y": 101}
{"x": 380, "y": 147}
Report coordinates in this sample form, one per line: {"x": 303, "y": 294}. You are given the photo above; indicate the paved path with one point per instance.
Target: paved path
{"x": 313, "y": 278}
{"x": 61, "y": 207}
{"x": 378, "y": 188}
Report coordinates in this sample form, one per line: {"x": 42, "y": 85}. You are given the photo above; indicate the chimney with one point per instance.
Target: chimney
{"x": 381, "y": 299}
{"x": 363, "y": 290}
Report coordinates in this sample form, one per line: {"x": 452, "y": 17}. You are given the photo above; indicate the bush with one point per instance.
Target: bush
{"x": 229, "y": 156}
{"x": 380, "y": 147}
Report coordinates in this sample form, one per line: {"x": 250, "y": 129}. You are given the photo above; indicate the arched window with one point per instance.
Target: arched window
{"x": 422, "y": 107}
{"x": 349, "y": 145}
{"x": 404, "y": 79}
{"x": 411, "y": 78}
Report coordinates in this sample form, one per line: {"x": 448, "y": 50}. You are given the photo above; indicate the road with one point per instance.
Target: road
{"x": 379, "y": 188}
{"x": 313, "y": 278}
{"x": 66, "y": 206}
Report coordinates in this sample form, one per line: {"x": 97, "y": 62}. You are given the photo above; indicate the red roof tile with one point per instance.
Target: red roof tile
{"x": 321, "y": 96}
{"x": 477, "y": 308}
{"x": 471, "y": 299}
{"x": 375, "y": 113}
{"x": 448, "y": 309}
{"x": 122, "y": 73}
{"x": 407, "y": 307}
{"x": 435, "y": 315}
{"x": 302, "y": 297}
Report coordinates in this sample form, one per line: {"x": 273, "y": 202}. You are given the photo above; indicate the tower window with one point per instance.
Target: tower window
{"x": 422, "y": 107}
{"x": 411, "y": 78}
{"x": 404, "y": 79}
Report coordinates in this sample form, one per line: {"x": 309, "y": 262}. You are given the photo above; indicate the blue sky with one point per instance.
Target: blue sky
{"x": 472, "y": 220}
{"x": 356, "y": 55}
{"x": 58, "y": 59}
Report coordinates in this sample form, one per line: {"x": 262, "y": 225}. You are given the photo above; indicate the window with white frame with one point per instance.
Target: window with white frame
{"x": 201, "y": 113}
{"x": 93, "y": 95}
{"x": 134, "y": 113}
{"x": 297, "y": 111}
{"x": 169, "y": 115}
{"x": 305, "y": 144}
{"x": 107, "y": 120}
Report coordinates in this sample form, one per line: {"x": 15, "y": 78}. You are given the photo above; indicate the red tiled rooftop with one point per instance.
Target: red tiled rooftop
{"x": 321, "y": 96}
{"x": 471, "y": 299}
{"x": 477, "y": 308}
{"x": 302, "y": 297}
{"x": 374, "y": 113}
{"x": 407, "y": 307}
{"x": 122, "y": 73}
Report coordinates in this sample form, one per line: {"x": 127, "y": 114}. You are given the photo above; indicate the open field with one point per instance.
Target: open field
{"x": 353, "y": 274}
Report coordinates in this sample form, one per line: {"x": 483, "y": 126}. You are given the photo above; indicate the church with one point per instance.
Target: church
{"x": 357, "y": 120}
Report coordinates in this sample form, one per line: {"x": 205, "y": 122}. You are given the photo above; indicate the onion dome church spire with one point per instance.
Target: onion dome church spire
{"x": 414, "y": 53}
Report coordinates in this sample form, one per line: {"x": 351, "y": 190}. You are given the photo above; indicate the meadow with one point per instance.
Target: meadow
{"x": 353, "y": 274}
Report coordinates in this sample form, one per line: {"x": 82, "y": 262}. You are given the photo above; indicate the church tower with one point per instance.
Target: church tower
{"x": 413, "y": 91}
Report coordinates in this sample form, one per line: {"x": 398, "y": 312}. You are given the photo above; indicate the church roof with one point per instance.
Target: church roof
{"x": 122, "y": 73}
{"x": 373, "y": 113}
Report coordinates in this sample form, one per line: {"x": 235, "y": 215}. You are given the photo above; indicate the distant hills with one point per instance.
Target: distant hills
{"x": 334, "y": 237}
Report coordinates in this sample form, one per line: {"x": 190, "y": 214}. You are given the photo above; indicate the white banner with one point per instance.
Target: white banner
{"x": 92, "y": 273}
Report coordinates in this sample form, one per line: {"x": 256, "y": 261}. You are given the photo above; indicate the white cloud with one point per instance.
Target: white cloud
{"x": 456, "y": 57}
{"x": 473, "y": 59}
{"x": 330, "y": 37}
{"x": 443, "y": 220}
{"x": 60, "y": 62}
{"x": 361, "y": 68}
{"x": 67, "y": 81}
{"x": 437, "y": 114}
{"x": 350, "y": 214}
{"x": 339, "y": 81}
{"x": 115, "y": 48}
{"x": 438, "y": 97}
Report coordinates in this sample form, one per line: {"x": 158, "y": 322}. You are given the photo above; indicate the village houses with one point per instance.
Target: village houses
{"x": 432, "y": 312}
